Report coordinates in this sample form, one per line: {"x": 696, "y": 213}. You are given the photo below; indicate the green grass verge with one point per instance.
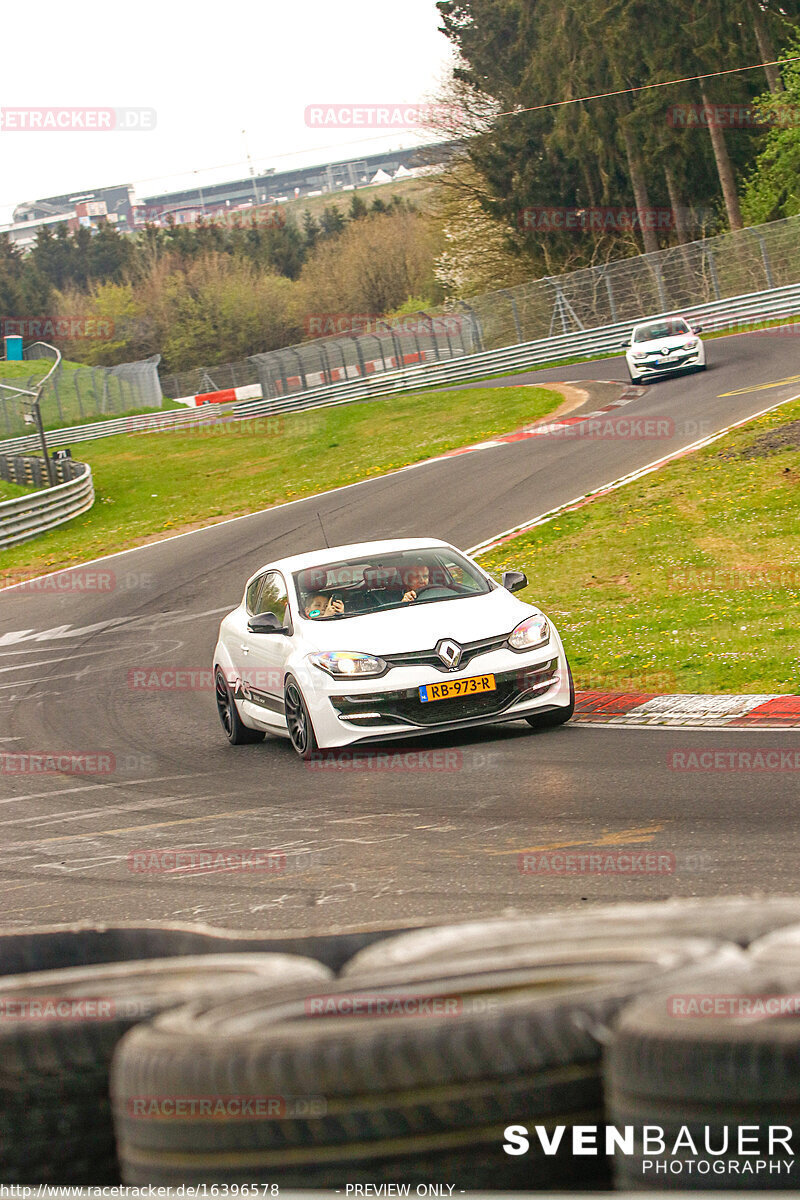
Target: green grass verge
{"x": 685, "y": 581}
{"x": 10, "y": 491}
{"x": 147, "y": 485}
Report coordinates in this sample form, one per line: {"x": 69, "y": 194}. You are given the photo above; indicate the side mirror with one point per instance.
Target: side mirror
{"x": 265, "y": 623}
{"x": 514, "y": 581}
{"x": 697, "y": 329}
{"x": 624, "y": 345}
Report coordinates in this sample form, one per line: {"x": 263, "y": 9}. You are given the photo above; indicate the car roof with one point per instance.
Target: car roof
{"x": 320, "y": 558}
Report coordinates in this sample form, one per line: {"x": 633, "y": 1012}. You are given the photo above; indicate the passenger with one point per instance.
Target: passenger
{"x": 322, "y": 606}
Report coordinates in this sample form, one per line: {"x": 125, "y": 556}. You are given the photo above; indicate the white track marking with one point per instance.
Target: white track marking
{"x": 93, "y": 787}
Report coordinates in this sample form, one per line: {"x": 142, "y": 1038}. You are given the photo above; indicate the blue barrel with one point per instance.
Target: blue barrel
{"x": 13, "y": 348}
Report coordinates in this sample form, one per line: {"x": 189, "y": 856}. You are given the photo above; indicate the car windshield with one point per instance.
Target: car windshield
{"x": 660, "y": 329}
{"x": 353, "y": 587}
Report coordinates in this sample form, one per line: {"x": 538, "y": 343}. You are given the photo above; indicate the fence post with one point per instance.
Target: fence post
{"x": 518, "y": 327}
{"x": 709, "y": 254}
{"x": 764, "y": 256}
{"x": 604, "y": 275}
{"x": 476, "y": 325}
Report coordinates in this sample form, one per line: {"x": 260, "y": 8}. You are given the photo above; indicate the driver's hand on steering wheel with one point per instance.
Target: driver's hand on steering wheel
{"x": 409, "y": 596}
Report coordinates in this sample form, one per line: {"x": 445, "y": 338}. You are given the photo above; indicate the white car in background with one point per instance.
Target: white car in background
{"x": 662, "y": 346}
{"x": 381, "y": 640}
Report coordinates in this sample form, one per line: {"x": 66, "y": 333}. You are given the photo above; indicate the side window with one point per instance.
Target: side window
{"x": 459, "y": 576}
{"x": 273, "y": 598}
{"x": 251, "y": 599}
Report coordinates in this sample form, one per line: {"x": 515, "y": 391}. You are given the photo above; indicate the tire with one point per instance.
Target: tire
{"x": 396, "y": 1098}
{"x": 55, "y": 1120}
{"x": 557, "y": 716}
{"x": 707, "y": 1073}
{"x": 782, "y": 947}
{"x": 738, "y": 919}
{"x": 237, "y": 733}
{"x": 298, "y": 721}
{"x": 635, "y": 378}
{"x": 55, "y": 947}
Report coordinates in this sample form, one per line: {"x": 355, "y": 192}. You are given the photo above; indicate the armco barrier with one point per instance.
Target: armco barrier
{"x": 777, "y": 303}
{"x": 737, "y": 311}
{"x": 28, "y": 516}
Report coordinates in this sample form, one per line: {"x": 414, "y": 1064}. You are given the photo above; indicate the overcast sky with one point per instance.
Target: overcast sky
{"x": 209, "y": 72}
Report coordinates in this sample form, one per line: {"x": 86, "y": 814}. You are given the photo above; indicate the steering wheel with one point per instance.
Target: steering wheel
{"x": 436, "y": 593}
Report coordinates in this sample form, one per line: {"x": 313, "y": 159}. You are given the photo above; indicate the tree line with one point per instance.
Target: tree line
{"x": 696, "y": 148}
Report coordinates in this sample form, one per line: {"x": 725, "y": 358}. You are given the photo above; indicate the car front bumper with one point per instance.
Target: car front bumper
{"x": 695, "y": 358}
{"x": 375, "y": 710}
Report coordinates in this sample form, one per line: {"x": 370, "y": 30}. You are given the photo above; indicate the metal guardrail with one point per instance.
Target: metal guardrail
{"x": 33, "y": 397}
{"x": 27, "y": 516}
{"x": 752, "y": 308}
{"x": 176, "y": 419}
{"x": 721, "y": 314}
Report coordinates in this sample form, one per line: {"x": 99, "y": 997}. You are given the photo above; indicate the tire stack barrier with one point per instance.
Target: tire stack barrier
{"x": 412, "y": 1063}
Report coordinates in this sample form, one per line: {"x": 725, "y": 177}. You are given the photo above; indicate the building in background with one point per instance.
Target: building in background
{"x": 118, "y": 205}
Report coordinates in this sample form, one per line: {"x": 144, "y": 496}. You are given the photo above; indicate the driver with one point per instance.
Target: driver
{"x": 415, "y": 579}
{"x": 322, "y": 606}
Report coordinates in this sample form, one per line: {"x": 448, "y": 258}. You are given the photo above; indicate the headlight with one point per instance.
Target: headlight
{"x": 640, "y": 353}
{"x": 345, "y": 664}
{"x": 530, "y": 633}
{"x": 690, "y": 345}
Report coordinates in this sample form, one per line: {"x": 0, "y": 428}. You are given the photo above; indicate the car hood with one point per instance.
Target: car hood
{"x": 420, "y": 626}
{"x": 669, "y": 343}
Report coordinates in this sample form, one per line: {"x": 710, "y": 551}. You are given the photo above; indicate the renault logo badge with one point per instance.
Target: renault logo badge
{"x": 449, "y": 652}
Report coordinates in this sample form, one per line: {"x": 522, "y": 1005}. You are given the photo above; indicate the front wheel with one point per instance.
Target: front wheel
{"x": 237, "y": 733}
{"x": 298, "y": 721}
{"x": 556, "y": 716}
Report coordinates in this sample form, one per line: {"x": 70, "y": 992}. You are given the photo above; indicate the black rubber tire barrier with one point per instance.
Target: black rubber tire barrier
{"x": 707, "y": 1072}
{"x": 58, "y": 1031}
{"x": 397, "y": 1096}
{"x": 738, "y": 919}
{"x": 53, "y": 947}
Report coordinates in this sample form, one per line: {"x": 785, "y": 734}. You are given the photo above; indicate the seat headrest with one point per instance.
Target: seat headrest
{"x": 377, "y": 578}
{"x": 314, "y": 578}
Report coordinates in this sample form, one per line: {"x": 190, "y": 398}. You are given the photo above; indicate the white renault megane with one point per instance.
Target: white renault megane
{"x": 662, "y": 346}
{"x": 383, "y": 640}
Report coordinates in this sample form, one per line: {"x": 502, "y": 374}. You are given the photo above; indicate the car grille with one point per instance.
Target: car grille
{"x": 404, "y": 707}
{"x": 429, "y": 658}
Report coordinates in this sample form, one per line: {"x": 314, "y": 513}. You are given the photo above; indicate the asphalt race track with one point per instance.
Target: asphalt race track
{"x": 440, "y": 838}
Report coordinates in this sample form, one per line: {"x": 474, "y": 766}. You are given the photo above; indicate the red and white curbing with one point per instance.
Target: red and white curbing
{"x": 545, "y": 428}
{"x": 688, "y": 710}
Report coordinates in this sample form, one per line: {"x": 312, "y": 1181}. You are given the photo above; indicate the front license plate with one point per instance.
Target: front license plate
{"x": 451, "y": 688}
